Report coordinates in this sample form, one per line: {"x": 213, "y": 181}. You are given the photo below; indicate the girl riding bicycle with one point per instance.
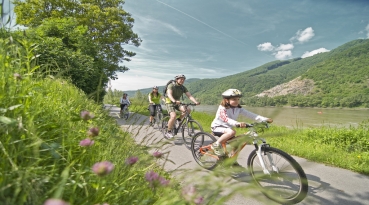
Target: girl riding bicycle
{"x": 154, "y": 100}
{"x": 226, "y": 118}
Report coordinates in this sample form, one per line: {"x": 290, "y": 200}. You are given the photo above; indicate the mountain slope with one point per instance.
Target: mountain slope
{"x": 338, "y": 78}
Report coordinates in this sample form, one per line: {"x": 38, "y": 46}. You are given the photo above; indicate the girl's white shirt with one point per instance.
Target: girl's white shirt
{"x": 125, "y": 101}
{"x": 228, "y": 117}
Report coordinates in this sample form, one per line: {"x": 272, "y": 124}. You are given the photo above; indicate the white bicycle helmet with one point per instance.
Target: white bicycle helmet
{"x": 231, "y": 93}
{"x": 180, "y": 76}
{"x": 155, "y": 87}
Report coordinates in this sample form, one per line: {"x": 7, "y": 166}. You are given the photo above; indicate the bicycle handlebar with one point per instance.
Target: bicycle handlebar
{"x": 263, "y": 123}
{"x": 187, "y": 104}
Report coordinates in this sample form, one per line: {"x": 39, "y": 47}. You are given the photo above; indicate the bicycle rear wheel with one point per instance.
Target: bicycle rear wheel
{"x": 202, "y": 152}
{"x": 164, "y": 126}
{"x": 286, "y": 183}
{"x": 189, "y": 130}
{"x": 159, "y": 117}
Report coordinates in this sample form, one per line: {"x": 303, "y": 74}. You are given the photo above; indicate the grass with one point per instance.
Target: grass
{"x": 41, "y": 129}
{"x": 349, "y": 145}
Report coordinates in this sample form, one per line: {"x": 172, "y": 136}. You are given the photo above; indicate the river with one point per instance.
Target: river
{"x": 303, "y": 117}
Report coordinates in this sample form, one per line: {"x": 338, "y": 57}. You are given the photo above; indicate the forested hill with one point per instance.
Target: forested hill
{"x": 339, "y": 78}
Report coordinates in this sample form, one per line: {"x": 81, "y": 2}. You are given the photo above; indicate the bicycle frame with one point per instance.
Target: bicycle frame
{"x": 185, "y": 119}
{"x": 256, "y": 142}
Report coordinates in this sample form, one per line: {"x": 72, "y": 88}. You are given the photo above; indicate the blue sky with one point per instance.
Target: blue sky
{"x": 216, "y": 38}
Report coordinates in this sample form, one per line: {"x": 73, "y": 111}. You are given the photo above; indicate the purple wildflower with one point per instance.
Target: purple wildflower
{"x": 102, "y": 168}
{"x": 163, "y": 181}
{"x": 86, "y": 115}
{"x": 154, "y": 179}
{"x": 157, "y": 154}
{"x": 151, "y": 176}
{"x": 93, "y": 132}
{"x": 199, "y": 200}
{"x": 86, "y": 142}
{"x": 131, "y": 160}
{"x": 55, "y": 202}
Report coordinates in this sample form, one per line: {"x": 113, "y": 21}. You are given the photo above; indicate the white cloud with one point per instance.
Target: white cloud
{"x": 282, "y": 55}
{"x": 304, "y": 36}
{"x": 311, "y": 53}
{"x": 367, "y": 30}
{"x": 132, "y": 80}
{"x": 285, "y": 47}
{"x": 266, "y": 47}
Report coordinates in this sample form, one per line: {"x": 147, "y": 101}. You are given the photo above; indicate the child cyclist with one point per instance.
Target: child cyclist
{"x": 226, "y": 118}
{"x": 124, "y": 102}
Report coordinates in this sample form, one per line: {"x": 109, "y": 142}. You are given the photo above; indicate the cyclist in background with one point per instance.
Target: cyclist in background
{"x": 172, "y": 101}
{"x": 124, "y": 101}
{"x": 226, "y": 118}
{"x": 154, "y": 100}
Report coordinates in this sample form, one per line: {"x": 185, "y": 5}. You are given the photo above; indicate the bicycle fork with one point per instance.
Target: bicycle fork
{"x": 260, "y": 153}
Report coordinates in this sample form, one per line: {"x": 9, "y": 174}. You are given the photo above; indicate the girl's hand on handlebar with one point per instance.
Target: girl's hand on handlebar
{"x": 242, "y": 124}
{"x": 269, "y": 120}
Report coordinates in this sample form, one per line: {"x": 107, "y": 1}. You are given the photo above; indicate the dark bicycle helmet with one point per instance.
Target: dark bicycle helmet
{"x": 231, "y": 93}
{"x": 155, "y": 87}
{"x": 180, "y": 76}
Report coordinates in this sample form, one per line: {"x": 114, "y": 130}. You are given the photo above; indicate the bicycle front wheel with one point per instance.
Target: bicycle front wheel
{"x": 286, "y": 182}
{"x": 188, "y": 131}
{"x": 126, "y": 115}
{"x": 202, "y": 152}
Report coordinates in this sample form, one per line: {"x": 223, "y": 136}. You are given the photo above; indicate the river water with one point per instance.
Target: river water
{"x": 303, "y": 117}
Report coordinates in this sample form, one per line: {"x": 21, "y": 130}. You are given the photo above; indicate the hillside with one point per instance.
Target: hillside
{"x": 161, "y": 87}
{"x": 338, "y": 78}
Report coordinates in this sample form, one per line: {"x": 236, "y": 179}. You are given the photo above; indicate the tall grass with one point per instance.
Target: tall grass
{"x": 40, "y": 144}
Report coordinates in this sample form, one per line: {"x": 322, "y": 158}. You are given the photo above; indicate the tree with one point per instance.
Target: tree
{"x": 109, "y": 27}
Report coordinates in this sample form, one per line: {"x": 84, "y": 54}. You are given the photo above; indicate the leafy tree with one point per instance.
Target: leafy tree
{"x": 104, "y": 24}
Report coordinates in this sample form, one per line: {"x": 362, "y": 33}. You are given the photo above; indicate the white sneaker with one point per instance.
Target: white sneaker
{"x": 169, "y": 135}
{"x": 218, "y": 149}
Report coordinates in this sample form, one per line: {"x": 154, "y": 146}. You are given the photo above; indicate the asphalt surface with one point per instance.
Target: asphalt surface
{"x": 327, "y": 185}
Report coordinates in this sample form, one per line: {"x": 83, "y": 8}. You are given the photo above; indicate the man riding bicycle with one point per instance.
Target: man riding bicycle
{"x": 172, "y": 101}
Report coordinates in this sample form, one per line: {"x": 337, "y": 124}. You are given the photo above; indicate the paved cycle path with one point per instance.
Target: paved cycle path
{"x": 327, "y": 185}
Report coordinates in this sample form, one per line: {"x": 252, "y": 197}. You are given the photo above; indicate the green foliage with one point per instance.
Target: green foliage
{"x": 80, "y": 41}
{"x": 349, "y": 145}
{"x": 40, "y": 134}
{"x": 109, "y": 26}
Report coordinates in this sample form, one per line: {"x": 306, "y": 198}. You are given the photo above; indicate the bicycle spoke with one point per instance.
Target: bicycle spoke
{"x": 189, "y": 130}
{"x": 286, "y": 180}
{"x": 200, "y": 150}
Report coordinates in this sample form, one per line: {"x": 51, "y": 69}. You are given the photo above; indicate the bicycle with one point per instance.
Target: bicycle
{"x": 124, "y": 113}
{"x": 158, "y": 117}
{"x": 278, "y": 175}
{"x": 188, "y": 126}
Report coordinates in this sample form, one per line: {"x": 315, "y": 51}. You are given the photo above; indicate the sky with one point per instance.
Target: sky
{"x": 217, "y": 38}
